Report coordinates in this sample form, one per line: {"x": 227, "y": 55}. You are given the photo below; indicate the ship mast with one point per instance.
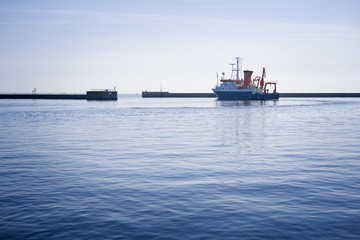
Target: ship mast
{"x": 238, "y": 68}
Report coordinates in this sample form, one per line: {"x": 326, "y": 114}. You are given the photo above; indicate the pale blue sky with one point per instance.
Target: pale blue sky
{"x": 73, "y": 46}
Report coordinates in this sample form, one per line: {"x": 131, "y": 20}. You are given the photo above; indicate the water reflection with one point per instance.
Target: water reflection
{"x": 242, "y": 129}
{"x": 246, "y": 103}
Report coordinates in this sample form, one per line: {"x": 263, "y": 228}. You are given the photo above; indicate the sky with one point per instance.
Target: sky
{"x": 178, "y": 45}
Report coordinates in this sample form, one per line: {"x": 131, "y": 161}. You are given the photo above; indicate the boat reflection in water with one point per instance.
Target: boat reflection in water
{"x": 246, "y": 103}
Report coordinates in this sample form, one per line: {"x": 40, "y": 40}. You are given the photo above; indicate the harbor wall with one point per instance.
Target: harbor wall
{"x": 192, "y": 95}
{"x": 43, "y": 96}
{"x": 99, "y": 95}
{"x": 318, "y": 95}
{"x": 104, "y": 96}
{"x": 176, "y": 95}
{"x": 212, "y": 95}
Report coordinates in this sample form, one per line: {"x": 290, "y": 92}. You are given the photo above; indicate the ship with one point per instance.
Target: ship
{"x": 238, "y": 88}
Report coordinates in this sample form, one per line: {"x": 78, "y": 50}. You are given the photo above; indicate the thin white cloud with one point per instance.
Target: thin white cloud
{"x": 36, "y": 11}
{"x": 84, "y": 16}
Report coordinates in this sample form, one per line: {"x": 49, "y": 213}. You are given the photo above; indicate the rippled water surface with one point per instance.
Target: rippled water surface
{"x": 180, "y": 169}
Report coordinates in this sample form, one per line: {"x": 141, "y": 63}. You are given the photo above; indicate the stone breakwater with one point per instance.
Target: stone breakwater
{"x": 90, "y": 95}
{"x": 147, "y": 94}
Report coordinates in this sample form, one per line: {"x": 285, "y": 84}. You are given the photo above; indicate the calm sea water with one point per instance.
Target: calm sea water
{"x": 180, "y": 169}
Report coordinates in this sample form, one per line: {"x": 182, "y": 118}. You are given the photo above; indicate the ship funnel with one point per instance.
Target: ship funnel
{"x": 247, "y": 78}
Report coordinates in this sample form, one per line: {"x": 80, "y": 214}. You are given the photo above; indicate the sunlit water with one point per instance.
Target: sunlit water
{"x": 180, "y": 169}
